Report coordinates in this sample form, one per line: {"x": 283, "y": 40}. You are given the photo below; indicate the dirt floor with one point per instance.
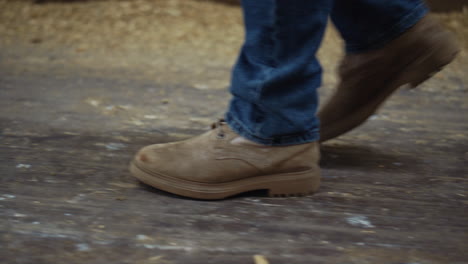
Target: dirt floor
{"x": 84, "y": 84}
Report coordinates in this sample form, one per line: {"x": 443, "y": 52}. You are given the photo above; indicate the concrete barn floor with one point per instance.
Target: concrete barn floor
{"x": 85, "y": 84}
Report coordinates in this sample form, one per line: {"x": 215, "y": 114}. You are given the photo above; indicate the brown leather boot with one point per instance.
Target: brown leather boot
{"x": 368, "y": 79}
{"x": 220, "y": 163}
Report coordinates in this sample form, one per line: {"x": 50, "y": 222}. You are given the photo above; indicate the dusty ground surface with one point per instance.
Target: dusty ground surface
{"x": 83, "y": 85}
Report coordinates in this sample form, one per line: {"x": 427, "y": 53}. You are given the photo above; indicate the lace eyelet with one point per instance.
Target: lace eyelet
{"x": 220, "y": 136}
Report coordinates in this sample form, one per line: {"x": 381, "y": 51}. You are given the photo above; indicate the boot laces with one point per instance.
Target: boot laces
{"x": 218, "y": 125}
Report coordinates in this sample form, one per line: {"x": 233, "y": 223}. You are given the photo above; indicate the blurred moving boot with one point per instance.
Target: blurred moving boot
{"x": 367, "y": 79}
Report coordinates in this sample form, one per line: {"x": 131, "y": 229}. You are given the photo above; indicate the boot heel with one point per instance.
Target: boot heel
{"x": 294, "y": 187}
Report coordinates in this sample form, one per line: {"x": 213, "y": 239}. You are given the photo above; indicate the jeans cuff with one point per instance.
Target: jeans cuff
{"x": 406, "y": 22}
{"x": 285, "y": 140}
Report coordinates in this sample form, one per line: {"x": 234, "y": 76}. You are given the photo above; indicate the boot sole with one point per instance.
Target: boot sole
{"x": 278, "y": 185}
{"x": 415, "y": 73}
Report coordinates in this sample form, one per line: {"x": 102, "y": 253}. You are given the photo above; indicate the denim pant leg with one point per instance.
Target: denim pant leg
{"x": 275, "y": 79}
{"x": 370, "y": 24}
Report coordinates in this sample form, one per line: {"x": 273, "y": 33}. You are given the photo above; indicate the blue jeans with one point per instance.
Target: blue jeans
{"x": 275, "y": 80}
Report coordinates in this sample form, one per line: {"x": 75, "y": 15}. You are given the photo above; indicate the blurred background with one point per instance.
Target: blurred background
{"x": 172, "y": 42}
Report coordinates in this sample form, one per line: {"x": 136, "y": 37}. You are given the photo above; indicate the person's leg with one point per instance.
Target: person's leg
{"x": 370, "y": 24}
{"x": 388, "y": 44}
{"x": 275, "y": 80}
{"x": 270, "y": 138}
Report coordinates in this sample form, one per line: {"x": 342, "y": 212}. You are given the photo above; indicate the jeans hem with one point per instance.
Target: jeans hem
{"x": 405, "y": 23}
{"x": 285, "y": 140}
